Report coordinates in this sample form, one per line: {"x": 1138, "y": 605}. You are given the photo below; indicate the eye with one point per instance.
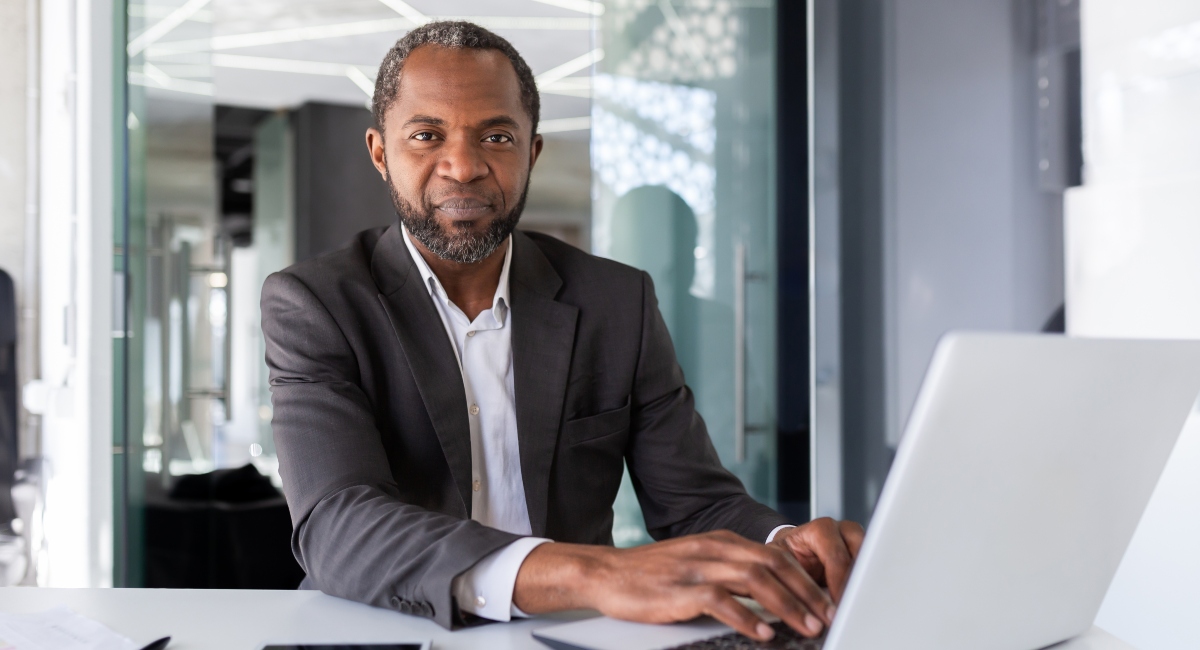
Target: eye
{"x": 423, "y": 136}
{"x": 498, "y": 138}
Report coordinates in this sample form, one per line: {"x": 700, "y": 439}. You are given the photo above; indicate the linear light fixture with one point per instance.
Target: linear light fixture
{"x": 564, "y": 124}
{"x": 571, "y": 87}
{"x": 361, "y": 80}
{"x": 570, "y": 67}
{"x": 408, "y": 11}
{"x": 316, "y": 32}
{"x": 290, "y": 35}
{"x": 162, "y": 27}
{"x": 179, "y": 85}
{"x": 351, "y": 72}
{"x": 154, "y": 12}
{"x": 155, "y": 74}
{"x": 585, "y": 6}
{"x": 279, "y": 65}
{"x": 527, "y": 22}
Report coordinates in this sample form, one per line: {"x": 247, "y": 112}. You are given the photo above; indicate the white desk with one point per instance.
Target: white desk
{"x": 241, "y": 620}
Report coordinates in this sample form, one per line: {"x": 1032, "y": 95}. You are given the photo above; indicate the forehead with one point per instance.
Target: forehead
{"x": 459, "y": 85}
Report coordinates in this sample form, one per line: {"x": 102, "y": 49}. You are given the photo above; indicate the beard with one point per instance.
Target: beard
{"x": 456, "y": 243}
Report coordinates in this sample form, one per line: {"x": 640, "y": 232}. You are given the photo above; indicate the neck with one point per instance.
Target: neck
{"x": 471, "y": 287}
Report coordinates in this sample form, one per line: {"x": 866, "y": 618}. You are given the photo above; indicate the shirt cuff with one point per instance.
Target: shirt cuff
{"x": 486, "y": 589}
{"x": 776, "y": 532}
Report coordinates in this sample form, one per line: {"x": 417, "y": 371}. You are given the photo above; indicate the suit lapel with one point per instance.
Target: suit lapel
{"x": 429, "y": 353}
{"x": 543, "y": 337}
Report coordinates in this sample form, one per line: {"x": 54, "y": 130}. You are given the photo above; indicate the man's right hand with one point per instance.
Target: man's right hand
{"x": 676, "y": 580}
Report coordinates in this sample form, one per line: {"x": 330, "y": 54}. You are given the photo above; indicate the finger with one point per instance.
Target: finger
{"x": 853, "y": 533}
{"x": 719, "y": 604}
{"x": 759, "y": 582}
{"x": 824, "y": 538}
{"x": 786, "y": 570}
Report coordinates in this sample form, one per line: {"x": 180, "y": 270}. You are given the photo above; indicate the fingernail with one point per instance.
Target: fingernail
{"x": 765, "y": 631}
{"x": 831, "y": 612}
{"x": 812, "y": 622}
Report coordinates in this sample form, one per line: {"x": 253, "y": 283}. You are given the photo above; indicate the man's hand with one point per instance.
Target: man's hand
{"x": 826, "y": 549}
{"x": 681, "y": 579}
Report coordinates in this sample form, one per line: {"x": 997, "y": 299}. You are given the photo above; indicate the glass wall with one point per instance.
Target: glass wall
{"x": 659, "y": 127}
{"x": 172, "y": 362}
{"x": 683, "y": 171}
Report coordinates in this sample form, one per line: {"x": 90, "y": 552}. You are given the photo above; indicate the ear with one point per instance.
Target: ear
{"x": 375, "y": 149}
{"x": 535, "y": 149}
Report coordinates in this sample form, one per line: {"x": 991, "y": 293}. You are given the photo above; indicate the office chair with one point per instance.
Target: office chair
{"x": 8, "y": 399}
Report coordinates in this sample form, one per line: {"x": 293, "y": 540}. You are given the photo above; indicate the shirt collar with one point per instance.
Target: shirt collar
{"x": 500, "y": 303}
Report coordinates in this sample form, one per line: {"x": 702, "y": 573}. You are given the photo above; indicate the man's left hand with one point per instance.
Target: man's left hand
{"x": 826, "y": 549}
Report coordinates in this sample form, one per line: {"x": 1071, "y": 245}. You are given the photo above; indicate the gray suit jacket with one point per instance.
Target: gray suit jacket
{"x": 371, "y": 419}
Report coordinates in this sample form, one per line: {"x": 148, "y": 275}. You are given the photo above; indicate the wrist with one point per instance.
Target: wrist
{"x": 559, "y": 577}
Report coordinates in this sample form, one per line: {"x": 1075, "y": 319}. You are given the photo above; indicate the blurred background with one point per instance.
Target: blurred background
{"x": 819, "y": 189}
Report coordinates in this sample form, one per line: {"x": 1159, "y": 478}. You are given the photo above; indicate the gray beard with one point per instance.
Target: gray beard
{"x": 461, "y": 247}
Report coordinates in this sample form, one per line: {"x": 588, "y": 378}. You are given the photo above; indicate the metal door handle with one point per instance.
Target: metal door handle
{"x": 740, "y": 278}
{"x": 739, "y": 352}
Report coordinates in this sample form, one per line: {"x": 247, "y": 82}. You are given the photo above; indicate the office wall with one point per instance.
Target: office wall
{"x": 75, "y": 398}
{"x": 974, "y": 242}
{"x": 1133, "y": 269}
{"x": 12, "y": 137}
{"x": 943, "y": 224}
{"x": 338, "y": 190}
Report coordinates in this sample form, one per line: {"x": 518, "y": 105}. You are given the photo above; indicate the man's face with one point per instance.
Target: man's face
{"x": 458, "y": 150}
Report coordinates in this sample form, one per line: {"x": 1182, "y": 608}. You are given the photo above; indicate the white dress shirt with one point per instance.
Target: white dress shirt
{"x": 483, "y": 348}
{"x": 484, "y": 351}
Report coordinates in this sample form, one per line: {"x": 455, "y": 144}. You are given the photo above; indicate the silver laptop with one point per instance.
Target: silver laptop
{"x": 1022, "y": 474}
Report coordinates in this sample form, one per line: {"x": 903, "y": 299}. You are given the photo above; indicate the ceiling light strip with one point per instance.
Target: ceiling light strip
{"x": 317, "y": 32}
{"x": 361, "y": 80}
{"x": 408, "y": 11}
{"x": 564, "y": 124}
{"x": 291, "y": 35}
{"x": 527, "y": 22}
{"x": 585, "y": 6}
{"x": 190, "y": 87}
{"x": 570, "y": 67}
{"x": 162, "y": 27}
{"x": 279, "y": 65}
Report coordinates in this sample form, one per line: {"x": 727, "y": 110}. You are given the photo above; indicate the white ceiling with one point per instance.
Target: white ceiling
{"x": 281, "y": 53}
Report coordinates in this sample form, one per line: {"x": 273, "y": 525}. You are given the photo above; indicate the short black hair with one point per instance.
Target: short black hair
{"x": 453, "y": 34}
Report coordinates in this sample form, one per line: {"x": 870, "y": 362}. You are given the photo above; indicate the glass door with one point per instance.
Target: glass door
{"x": 172, "y": 355}
{"x": 683, "y": 187}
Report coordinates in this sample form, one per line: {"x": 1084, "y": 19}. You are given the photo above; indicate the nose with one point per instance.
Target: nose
{"x": 462, "y": 161}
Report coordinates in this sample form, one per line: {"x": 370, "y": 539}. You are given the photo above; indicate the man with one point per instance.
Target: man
{"x": 451, "y": 394}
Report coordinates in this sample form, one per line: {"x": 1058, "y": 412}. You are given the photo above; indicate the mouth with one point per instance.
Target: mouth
{"x": 464, "y": 208}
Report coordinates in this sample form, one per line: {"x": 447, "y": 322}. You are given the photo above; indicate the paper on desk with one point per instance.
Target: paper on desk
{"x": 58, "y": 629}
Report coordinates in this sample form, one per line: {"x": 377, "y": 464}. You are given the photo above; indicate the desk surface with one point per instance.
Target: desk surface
{"x": 243, "y": 619}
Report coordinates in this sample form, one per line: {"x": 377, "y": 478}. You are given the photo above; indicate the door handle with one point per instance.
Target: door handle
{"x": 740, "y": 278}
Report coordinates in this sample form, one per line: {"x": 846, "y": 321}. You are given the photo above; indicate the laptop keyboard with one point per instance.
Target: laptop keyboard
{"x": 785, "y": 639}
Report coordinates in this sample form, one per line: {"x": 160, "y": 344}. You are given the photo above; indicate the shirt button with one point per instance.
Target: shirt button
{"x": 475, "y": 485}
{"x": 471, "y": 333}
{"x": 474, "y": 409}
{"x": 480, "y": 601}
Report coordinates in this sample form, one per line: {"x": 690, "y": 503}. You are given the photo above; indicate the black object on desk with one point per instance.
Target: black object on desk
{"x": 159, "y": 644}
{"x": 352, "y": 646}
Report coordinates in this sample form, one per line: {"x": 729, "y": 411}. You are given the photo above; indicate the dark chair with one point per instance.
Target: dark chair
{"x": 8, "y": 398}
{"x": 227, "y": 529}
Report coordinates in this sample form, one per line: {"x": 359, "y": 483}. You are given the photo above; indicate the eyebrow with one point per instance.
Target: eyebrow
{"x": 424, "y": 119}
{"x": 429, "y": 120}
{"x": 499, "y": 120}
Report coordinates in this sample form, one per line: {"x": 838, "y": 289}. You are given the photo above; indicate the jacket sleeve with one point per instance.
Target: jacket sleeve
{"x": 351, "y": 533}
{"x": 680, "y": 483}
